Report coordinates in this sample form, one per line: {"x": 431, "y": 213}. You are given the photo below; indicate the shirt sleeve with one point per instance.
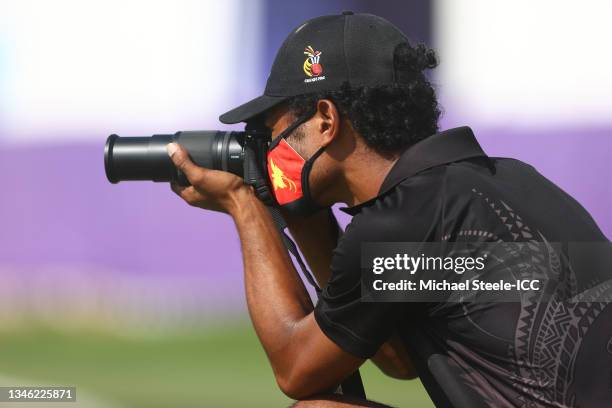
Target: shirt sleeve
{"x": 357, "y": 327}
{"x": 360, "y": 328}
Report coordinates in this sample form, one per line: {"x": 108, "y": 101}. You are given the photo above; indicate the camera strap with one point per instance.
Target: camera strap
{"x": 352, "y": 385}
{"x": 291, "y": 247}
{"x": 254, "y": 175}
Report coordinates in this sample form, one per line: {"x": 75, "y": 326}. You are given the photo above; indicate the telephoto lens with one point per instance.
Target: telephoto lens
{"x": 146, "y": 158}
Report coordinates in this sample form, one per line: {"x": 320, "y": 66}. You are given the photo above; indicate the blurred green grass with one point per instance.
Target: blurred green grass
{"x": 220, "y": 366}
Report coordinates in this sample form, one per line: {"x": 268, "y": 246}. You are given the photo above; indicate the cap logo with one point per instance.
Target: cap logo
{"x": 312, "y": 66}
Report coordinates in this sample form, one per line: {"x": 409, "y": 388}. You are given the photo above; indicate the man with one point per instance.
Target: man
{"x": 354, "y": 120}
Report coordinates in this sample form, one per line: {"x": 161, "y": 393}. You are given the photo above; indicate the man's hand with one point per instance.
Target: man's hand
{"x": 210, "y": 189}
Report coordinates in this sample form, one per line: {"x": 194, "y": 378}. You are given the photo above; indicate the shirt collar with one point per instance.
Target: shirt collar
{"x": 440, "y": 148}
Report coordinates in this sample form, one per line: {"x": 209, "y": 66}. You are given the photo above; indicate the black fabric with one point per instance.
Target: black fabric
{"x": 356, "y": 49}
{"x": 441, "y": 148}
{"x": 250, "y": 109}
{"x": 526, "y": 353}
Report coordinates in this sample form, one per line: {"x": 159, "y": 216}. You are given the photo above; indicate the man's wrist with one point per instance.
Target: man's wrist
{"x": 241, "y": 199}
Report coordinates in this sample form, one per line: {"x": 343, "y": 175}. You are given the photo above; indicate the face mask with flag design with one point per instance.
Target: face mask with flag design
{"x": 288, "y": 173}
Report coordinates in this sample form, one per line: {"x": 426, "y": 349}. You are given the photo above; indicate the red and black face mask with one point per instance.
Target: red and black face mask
{"x": 288, "y": 173}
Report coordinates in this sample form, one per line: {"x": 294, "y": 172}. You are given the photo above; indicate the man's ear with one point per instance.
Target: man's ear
{"x": 329, "y": 121}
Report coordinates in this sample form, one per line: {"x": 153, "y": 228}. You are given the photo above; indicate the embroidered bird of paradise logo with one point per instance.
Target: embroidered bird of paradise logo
{"x": 311, "y": 65}
{"x": 279, "y": 180}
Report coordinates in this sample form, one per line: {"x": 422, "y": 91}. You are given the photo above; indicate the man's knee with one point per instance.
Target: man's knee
{"x": 336, "y": 401}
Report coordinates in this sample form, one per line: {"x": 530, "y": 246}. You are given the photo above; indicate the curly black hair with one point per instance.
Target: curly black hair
{"x": 392, "y": 117}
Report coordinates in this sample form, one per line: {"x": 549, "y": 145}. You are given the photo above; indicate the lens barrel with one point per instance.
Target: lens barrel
{"x": 146, "y": 158}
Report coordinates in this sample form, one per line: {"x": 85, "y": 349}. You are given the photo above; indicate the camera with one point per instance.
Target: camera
{"x": 145, "y": 158}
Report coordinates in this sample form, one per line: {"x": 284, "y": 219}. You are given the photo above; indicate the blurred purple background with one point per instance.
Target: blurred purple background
{"x": 75, "y": 249}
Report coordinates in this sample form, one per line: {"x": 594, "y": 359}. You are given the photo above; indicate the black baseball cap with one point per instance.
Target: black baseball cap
{"x": 322, "y": 54}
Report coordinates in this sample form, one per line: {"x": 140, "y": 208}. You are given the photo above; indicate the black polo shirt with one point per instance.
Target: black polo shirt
{"x": 524, "y": 353}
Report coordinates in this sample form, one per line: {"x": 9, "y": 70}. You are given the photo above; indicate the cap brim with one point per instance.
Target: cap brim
{"x": 251, "y": 109}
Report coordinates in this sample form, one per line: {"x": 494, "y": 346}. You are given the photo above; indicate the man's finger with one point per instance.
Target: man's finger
{"x": 187, "y": 193}
{"x": 178, "y": 189}
{"x": 181, "y": 160}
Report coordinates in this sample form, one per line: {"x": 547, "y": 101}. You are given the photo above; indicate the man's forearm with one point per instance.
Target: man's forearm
{"x": 276, "y": 296}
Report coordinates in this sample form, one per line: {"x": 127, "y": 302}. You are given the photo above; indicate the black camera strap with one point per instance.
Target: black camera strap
{"x": 291, "y": 247}
{"x": 255, "y": 175}
{"x": 352, "y": 385}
